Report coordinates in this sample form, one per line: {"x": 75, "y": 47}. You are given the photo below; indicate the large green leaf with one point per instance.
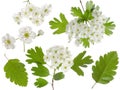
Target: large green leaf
{"x": 16, "y": 71}
{"x": 35, "y": 55}
{"x": 59, "y": 26}
{"x": 59, "y": 76}
{"x": 104, "y": 69}
{"x": 81, "y": 61}
{"x": 41, "y": 71}
{"x": 40, "y": 82}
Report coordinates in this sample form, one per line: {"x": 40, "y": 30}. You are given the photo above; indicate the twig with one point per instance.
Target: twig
{"x": 82, "y": 6}
{"x": 24, "y": 46}
{"x": 53, "y": 80}
{"x": 5, "y": 56}
{"x": 94, "y": 85}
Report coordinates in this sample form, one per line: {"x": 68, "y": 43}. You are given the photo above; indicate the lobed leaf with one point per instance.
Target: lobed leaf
{"x": 41, "y": 71}
{"x": 81, "y": 61}
{"x": 76, "y": 11}
{"x": 35, "y": 56}
{"x": 59, "y": 25}
{"x": 85, "y": 42}
{"x": 109, "y": 26}
{"x": 40, "y": 82}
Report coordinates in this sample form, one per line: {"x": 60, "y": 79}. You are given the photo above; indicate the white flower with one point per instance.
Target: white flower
{"x": 58, "y": 55}
{"x": 17, "y": 18}
{"x": 46, "y": 9}
{"x": 37, "y": 20}
{"x": 26, "y": 34}
{"x": 8, "y": 41}
{"x": 25, "y": 13}
{"x": 37, "y": 12}
{"x": 30, "y": 8}
{"x": 40, "y": 32}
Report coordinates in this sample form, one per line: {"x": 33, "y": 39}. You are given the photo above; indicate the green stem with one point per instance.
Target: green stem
{"x": 94, "y": 85}
{"x": 82, "y": 5}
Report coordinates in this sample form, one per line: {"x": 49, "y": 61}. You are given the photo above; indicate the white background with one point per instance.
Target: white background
{"x": 8, "y": 8}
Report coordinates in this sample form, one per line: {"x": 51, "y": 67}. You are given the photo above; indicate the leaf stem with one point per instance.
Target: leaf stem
{"x": 82, "y": 5}
{"x": 53, "y": 80}
{"x": 5, "y": 56}
{"x": 94, "y": 85}
{"x": 24, "y": 46}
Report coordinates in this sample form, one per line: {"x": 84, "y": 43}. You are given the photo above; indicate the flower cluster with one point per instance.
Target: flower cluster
{"x": 34, "y": 14}
{"x": 93, "y": 30}
{"x": 26, "y": 35}
{"x": 59, "y": 58}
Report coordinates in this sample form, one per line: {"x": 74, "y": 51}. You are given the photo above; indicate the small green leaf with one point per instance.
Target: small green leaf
{"x": 59, "y": 76}
{"x": 109, "y": 26}
{"x": 59, "y": 26}
{"x": 15, "y": 70}
{"x": 76, "y": 11}
{"x": 40, "y": 82}
{"x": 85, "y": 42}
{"x": 41, "y": 71}
{"x": 90, "y": 5}
{"x": 82, "y": 61}
{"x": 35, "y": 56}
{"x": 104, "y": 69}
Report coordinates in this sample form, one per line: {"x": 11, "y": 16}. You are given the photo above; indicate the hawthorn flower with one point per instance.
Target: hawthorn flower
{"x": 40, "y": 32}
{"x": 26, "y": 34}
{"x": 37, "y": 20}
{"x": 46, "y": 9}
{"x": 17, "y": 18}
{"x": 30, "y": 8}
{"x": 59, "y": 57}
{"x": 8, "y": 41}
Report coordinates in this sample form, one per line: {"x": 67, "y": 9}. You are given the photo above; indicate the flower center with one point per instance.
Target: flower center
{"x": 8, "y": 42}
{"x": 26, "y": 35}
{"x": 30, "y": 9}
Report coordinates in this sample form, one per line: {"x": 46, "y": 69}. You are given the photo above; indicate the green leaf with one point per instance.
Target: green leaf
{"x": 81, "y": 61}
{"x": 85, "y": 42}
{"x": 16, "y": 72}
{"x": 35, "y": 56}
{"x": 76, "y": 11}
{"x": 104, "y": 69}
{"x": 40, "y": 82}
{"x": 59, "y": 25}
{"x": 109, "y": 26}
{"x": 88, "y": 15}
{"x": 90, "y": 6}
{"x": 41, "y": 71}
{"x": 59, "y": 76}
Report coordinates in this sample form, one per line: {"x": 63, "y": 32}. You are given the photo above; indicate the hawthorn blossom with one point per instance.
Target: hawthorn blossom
{"x": 8, "y": 41}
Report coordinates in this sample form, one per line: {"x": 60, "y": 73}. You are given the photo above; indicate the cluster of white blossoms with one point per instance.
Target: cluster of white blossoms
{"x": 34, "y": 14}
{"x": 93, "y": 30}
{"x": 59, "y": 58}
{"x": 26, "y": 35}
